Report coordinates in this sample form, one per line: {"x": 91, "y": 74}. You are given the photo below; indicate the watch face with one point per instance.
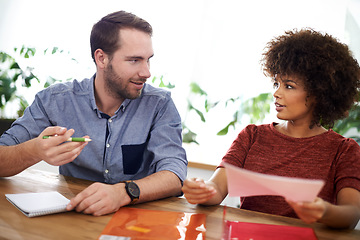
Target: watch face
{"x": 133, "y": 189}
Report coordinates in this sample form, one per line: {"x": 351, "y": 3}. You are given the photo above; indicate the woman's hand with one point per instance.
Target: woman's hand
{"x": 196, "y": 191}
{"x": 309, "y": 212}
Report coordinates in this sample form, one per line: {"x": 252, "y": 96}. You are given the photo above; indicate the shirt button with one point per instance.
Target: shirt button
{"x": 106, "y": 171}
{"x": 107, "y": 145}
{"x": 110, "y": 120}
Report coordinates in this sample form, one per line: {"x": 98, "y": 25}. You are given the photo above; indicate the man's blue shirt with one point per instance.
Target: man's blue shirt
{"x": 143, "y": 137}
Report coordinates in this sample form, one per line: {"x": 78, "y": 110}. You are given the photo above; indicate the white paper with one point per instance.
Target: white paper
{"x": 40, "y": 203}
{"x": 243, "y": 183}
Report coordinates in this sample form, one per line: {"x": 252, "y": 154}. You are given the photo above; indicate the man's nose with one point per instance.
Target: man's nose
{"x": 145, "y": 71}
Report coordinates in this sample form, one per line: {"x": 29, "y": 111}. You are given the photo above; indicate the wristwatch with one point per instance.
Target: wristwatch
{"x": 133, "y": 190}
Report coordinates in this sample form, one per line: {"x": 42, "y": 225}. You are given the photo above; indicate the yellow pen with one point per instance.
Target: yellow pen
{"x": 78, "y": 139}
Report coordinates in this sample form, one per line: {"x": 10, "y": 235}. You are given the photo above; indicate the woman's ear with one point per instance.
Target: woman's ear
{"x": 101, "y": 58}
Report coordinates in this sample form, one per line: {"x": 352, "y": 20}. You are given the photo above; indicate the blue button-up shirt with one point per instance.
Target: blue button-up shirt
{"x": 143, "y": 137}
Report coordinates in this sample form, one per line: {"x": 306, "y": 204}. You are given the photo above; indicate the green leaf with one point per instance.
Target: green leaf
{"x": 6, "y": 57}
{"x": 191, "y": 107}
{"x": 209, "y": 105}
{"x": 162, "y": 84}
{"x": 195, "y": 88}
{"x": 15, "y": 65}
{"x": 231, "y": 100}
{"x": 50, "y": 80}
{"x": 16, "y": 77}
{"x": 28, "y": 52}
{"x": 189, "y": 136}
{"x": 54, "y": 50}
{"x": 223, "y": 131}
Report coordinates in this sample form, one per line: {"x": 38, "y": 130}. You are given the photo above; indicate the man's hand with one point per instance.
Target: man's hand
{"x": 56, "y": 151}
{"x": 100, "y": 199}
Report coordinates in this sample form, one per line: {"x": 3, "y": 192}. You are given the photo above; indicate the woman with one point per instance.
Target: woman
{"x": 316, "y": 82}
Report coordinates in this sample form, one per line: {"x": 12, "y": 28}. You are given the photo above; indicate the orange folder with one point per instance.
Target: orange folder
{"x": 139, "y": 224}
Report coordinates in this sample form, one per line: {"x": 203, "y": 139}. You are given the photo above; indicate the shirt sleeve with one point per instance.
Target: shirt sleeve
{"x": 239, "y": 149}
{"x": 30, "y": 125}
{"x": 348, "y": 166}
{"x": 165, "y": 140}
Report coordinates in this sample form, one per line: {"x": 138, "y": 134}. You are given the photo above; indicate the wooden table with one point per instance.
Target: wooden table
{"x": 73, "y": 225}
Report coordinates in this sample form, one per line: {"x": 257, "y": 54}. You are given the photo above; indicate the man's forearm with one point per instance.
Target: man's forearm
{"x": 14, "y": 159}
{"x": 159, "y": 185}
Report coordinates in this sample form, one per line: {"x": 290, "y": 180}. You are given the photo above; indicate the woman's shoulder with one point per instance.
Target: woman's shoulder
{"x": 346, "y": 141}
{"x": 261, "y": 127}
{"x": 253, "y": 131}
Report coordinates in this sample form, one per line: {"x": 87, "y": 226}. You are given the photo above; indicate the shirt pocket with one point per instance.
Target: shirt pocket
{"x": 133, "y": 157}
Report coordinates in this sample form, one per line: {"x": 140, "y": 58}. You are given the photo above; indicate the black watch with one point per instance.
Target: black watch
{"x": 132, "y": 190}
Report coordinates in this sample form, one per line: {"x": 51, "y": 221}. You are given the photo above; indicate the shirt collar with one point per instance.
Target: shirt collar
{"x": 92, "y": 93}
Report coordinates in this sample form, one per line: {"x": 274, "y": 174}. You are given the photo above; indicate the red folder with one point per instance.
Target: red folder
{"x": 257, "y": 231}
{"x": 154, "y": 224}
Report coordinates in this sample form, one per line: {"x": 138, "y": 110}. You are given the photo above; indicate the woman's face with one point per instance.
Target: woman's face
{"x": 291, "y": 100}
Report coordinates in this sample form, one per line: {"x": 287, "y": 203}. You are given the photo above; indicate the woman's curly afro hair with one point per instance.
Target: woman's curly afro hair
{"x": 329, "y": 71}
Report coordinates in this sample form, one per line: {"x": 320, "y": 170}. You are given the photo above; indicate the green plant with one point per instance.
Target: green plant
{"x": 11, "y": 73}
{"x": 256, "y": 109}
{"x": 16, "y": 74}
{"x": 188, "y": 135}
{"x": 352, "y": 121}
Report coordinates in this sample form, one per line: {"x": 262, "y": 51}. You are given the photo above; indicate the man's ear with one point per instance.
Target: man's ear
{"x": 101, "y": 58}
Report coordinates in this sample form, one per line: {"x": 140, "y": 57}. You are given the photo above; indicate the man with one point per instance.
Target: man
{"x": 135, "y": 128}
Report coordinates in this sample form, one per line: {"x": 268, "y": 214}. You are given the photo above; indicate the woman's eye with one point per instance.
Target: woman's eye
{"x": 275, "y": 85}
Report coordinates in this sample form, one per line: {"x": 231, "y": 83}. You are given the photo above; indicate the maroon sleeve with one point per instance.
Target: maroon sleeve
{"x": 239, "y": 149}
{"x": 348, "y": 166}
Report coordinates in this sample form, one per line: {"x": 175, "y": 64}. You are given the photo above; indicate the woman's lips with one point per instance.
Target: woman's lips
{"x": 279, "y": 107}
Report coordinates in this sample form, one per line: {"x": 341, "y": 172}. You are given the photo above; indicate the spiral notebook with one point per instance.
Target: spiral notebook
{"x": 38, "y": 204}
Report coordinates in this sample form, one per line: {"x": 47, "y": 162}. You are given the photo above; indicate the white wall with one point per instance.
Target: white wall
{"x": 216, "y": 43}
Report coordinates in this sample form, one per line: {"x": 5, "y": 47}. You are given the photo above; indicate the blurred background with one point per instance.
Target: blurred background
{"x": 207, "y": 54}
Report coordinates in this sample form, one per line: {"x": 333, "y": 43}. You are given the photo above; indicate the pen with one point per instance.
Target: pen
{"x": 72, "y": 139}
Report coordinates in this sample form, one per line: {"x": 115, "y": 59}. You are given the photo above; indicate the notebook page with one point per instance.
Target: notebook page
{"x": 37, "y": 204}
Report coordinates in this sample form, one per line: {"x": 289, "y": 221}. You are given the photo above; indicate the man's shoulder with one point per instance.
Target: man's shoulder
{"x": 74, "y": 86}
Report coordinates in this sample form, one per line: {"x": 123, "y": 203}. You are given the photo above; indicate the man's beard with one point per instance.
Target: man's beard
{"x": 116, "y": 87}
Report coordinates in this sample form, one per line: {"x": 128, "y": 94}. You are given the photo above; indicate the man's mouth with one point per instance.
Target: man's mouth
{"x": 139, "y": 81}
{"x": 138, "y": 84}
